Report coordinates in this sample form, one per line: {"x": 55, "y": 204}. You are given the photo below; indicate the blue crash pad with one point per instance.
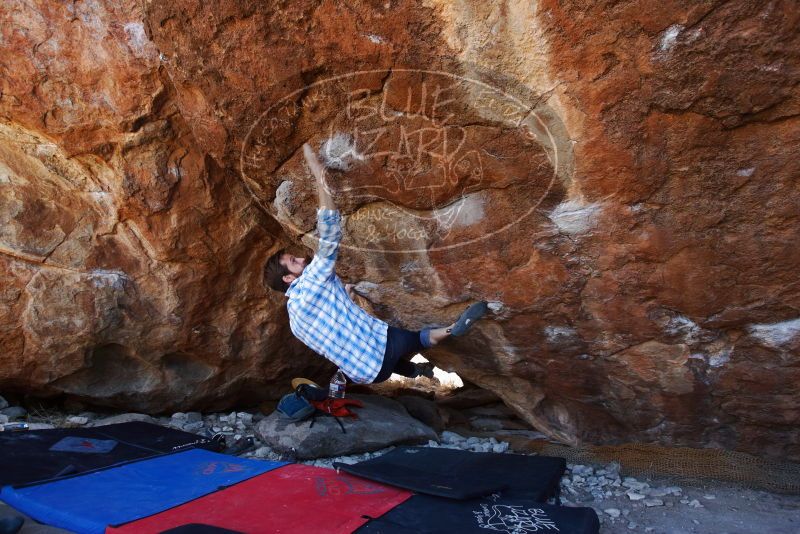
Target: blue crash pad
{"x": 89, "y": 502}
{"x": 39, "y": 455}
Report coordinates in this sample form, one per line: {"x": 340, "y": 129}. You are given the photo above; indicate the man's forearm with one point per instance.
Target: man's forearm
{"x": 325, "y": 199}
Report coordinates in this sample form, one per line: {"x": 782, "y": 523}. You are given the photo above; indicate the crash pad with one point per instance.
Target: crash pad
{"x": 38, "y": 455}
{"x": 292, "y": 499}
{"x": 199, "y": 528}
{"x": 459, "y": 474}
{"x": 423, "y": 514}
{"x": 89, "y": 502}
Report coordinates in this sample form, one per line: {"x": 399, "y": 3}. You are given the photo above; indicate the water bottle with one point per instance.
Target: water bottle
{"x": 338, "y": 382}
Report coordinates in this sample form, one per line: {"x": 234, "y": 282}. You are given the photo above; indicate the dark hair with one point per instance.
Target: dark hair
{"x": 274, "y": 272}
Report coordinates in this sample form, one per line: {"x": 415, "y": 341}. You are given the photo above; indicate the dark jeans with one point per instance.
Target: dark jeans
{"x": 401, "y": 346}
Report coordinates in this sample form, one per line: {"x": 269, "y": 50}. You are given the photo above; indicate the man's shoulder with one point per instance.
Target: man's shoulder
{"x": 306, "y": 286}
{"x": 297, "y": 306}
{"x": 295, "y": 292}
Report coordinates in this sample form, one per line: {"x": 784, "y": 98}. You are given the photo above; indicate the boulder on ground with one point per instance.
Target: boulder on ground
{"x": 381, "y": 422}
{"x": 14, "y": 412}
{"x": 464, "y": 398}
{"x": 490, "y": 424}
{"x": 77, "y": 420}
{"x": 452, "y": 417}
{"x": 424, "y": 410}
{"x": 497, "y": 409}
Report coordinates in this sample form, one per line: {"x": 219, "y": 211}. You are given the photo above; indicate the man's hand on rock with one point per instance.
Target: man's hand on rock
{"x": 313, "y": 163}
{"x": 351, "y": 291}
{"x": 318, "y": 170}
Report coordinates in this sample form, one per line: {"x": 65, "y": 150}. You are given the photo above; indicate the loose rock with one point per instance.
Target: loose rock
{"x": 194, "y": 417}
{"x": 193, "y": 427}
{"x": 14, "y": 412}
{"x": 77, "y": 420}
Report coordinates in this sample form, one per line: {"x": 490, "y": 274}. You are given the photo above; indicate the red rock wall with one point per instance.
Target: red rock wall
{"x": 130, "y": 259}
{"x": 620, "y": 178}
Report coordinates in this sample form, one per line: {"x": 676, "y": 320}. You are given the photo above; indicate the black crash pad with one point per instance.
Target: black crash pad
{"x": 423, "y": 514}
{"x": 199, "y": 528}
{"x": 36, "y": 455}
{"x": 458, "y": 474}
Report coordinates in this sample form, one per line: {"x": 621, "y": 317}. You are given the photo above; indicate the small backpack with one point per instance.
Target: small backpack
{"x": 298, "y": 406}
{"x": 311, "y": 393}
{"x": 295, "y": 407}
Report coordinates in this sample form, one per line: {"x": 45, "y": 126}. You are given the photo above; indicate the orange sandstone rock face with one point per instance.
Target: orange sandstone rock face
{"x": 620, "y": 180}
{"x": 130, "y": 259}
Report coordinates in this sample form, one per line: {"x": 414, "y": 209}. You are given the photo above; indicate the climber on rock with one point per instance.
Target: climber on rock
{"x": 323, "y": 315}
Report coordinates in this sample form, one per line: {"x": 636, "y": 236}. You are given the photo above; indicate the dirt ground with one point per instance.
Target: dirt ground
{"x": 722, "y": 510}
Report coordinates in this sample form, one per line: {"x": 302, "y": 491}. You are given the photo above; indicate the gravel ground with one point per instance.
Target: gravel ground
{"x": 664, "y": 506}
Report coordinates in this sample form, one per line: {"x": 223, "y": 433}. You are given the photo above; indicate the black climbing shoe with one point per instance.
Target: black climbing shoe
{"x": 218, "y": 442}
{"x": 424, "y": 369}
{"x": 468, "y": 318}
{"x": 240, "y": 446}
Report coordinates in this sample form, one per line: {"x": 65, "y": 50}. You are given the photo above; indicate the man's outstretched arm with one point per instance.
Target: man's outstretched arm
{"x": 328, "y": 224}
{"x": 325, "y": 199}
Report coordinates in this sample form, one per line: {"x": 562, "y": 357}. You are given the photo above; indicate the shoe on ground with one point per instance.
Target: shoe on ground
{"x": 240, "y": 446}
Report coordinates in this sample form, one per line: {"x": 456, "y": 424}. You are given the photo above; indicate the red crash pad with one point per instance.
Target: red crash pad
{"x": 294, "y": 498}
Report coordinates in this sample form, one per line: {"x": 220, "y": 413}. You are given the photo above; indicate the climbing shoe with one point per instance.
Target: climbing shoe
{"x": 468, "y": 318}
{"x": 240, "y": 446}
{"x": 424, "y": 369}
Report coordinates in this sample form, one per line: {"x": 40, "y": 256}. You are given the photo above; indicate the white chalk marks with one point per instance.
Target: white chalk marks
{"x": 776, "y": 335}
{"x": 413, "y": 154}
{"x": 575, "y": 217}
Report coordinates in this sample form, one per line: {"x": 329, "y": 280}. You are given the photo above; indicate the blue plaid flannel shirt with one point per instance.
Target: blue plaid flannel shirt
{"x": 322, "y": 315}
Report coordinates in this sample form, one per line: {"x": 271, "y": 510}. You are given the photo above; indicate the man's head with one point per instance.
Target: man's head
{"x": 282, "y": 269}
